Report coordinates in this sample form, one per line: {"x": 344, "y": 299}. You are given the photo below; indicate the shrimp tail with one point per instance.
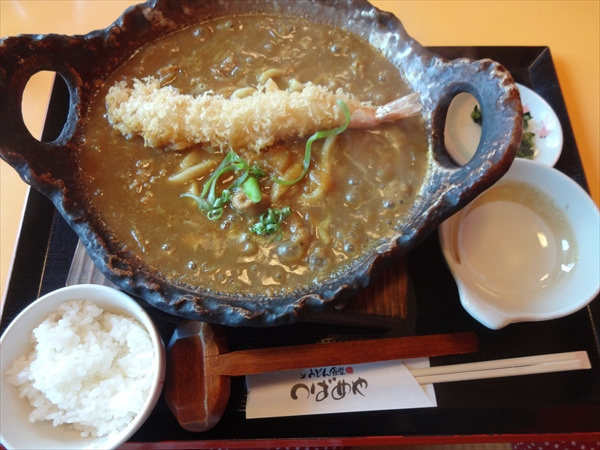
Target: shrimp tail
{"x": 401, "y": 108}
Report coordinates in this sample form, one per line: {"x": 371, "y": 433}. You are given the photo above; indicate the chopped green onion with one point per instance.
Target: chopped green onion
{"x": 252, "y": 190}
{"x": 214, "y": 204}
{"x": 257, "y": 172}
{"x": 202, "y": 203}
{"x": 211, "y": 184}
{"x": 318, "y": 135}
{"x": 270, "y": 222}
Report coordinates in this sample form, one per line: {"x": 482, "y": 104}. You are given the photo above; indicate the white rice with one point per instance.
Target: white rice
{"x": 89, "y": 368}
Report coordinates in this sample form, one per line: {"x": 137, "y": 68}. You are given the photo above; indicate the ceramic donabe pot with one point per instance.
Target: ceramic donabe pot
{"x": 84, "y": 62}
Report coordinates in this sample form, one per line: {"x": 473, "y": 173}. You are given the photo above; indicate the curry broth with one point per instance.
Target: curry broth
{"x": 357, "y": 188}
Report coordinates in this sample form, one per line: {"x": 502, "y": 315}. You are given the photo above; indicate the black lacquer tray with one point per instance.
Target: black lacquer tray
{"x": 555, "y": 406}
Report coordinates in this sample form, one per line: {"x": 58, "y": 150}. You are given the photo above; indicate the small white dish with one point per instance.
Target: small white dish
{"x": 462, "y": 134}
{"x": 526, "y": 249}
{"x": 16, "y": 431}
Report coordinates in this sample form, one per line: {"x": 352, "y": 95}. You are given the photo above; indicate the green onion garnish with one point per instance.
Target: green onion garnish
{"x": 252, "y": 189}
{"x": 270, "y": 222}
{"x": 213, "y": 204}
{"x": 318, "y": 135}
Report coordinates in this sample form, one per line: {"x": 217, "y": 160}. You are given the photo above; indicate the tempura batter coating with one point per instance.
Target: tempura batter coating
{"x": 164, "y": 117}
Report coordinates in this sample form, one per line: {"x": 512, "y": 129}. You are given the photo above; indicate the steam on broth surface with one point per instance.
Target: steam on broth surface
{"x": 360, "y": 184}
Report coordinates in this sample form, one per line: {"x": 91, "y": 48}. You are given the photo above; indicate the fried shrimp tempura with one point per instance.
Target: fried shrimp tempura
{"x": 164, "y": 117}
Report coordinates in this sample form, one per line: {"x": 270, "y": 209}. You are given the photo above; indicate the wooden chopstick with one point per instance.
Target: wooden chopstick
{"x": 556, "y": 362}
{"x": 272, "y": 359}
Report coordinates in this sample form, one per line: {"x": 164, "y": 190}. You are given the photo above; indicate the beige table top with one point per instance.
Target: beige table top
{"x": 569, "y": 28}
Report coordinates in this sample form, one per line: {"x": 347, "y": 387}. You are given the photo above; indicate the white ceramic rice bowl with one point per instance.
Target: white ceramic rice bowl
{"x": 15, "y": 429}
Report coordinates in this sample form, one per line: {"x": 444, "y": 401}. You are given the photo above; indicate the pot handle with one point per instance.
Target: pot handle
{"x": 21, "y": 57}
{"x": 498, "y": 96}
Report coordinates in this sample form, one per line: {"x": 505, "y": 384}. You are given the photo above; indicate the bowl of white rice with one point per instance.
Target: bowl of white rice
{"x": 81, "y": 367}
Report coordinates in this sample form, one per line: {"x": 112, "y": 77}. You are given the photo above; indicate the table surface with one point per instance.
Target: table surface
{"x": 570, "y": 29}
